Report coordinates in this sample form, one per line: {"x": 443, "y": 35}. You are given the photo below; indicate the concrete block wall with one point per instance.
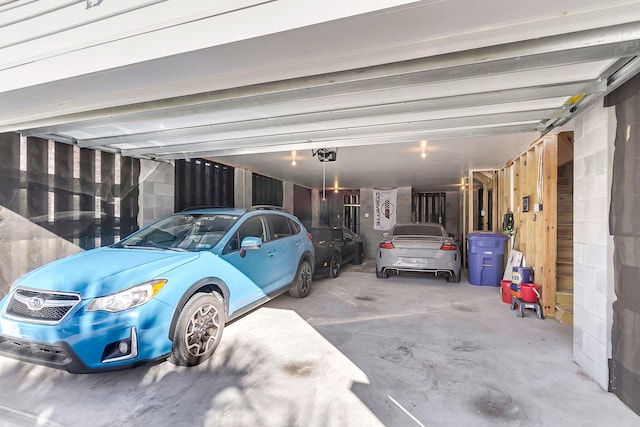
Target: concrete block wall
{"x": 157, "y": 183}
{"x": 243, "y": 188}
{"x": 25, "y": 246}
{"x": 373, "y": 237}
{"x": 594, "y": 133}
{"x": 287, "y": 196}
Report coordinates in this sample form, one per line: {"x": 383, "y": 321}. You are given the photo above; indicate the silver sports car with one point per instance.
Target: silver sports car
{"x": 421, "y": 248}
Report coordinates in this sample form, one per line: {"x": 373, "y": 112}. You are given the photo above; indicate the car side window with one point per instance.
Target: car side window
{"x": 252, "y": 227}
{"x": 295, "y": 228}
{"x": 417, "y": 230}
{"x": 279, "y": 227}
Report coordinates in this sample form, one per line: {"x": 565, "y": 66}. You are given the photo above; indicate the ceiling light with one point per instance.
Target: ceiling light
{"x": 423, "y": 145}
{"x": 293, "y": 155}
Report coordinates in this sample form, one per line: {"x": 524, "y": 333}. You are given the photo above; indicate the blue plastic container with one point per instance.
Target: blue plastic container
{"x": 485, "y": 258}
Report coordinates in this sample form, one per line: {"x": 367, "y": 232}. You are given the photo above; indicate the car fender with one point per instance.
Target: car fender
{"x": 307, "y": 256}
{"x": 208, "y": 284}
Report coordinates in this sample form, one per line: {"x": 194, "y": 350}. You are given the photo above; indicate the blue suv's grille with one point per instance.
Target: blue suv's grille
{"x": 40, "y": 306}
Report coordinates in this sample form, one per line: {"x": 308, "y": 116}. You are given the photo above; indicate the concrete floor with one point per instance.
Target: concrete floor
{"x": 359, "y": 351}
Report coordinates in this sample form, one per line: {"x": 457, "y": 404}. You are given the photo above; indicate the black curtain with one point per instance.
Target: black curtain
{"x": 12, "y": 180}
{"x": 302, "y": 204}
{"x": 201, "y": 182}
{"x": 624, "y": 225}
{"x": 266, "y": 190}
{"x": 45, "y": 190}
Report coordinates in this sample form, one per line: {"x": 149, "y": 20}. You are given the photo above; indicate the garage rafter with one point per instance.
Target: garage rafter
{"x": 330, "y": 136}
{"x": 422, "y": 101}
{"x": 471, "y": 103}
{"x": 391, "y": 112}
{"x": 466, "y": 132}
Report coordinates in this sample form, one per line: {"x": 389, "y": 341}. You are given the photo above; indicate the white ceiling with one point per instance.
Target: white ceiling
{"x": 479, "y": 81}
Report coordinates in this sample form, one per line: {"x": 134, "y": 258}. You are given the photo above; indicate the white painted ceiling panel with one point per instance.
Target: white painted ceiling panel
{"x": 368, "y": 78}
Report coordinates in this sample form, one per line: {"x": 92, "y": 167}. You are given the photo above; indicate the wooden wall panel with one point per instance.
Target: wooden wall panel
{"x": 550, "y": 209}
{"x": 535, "y": 174}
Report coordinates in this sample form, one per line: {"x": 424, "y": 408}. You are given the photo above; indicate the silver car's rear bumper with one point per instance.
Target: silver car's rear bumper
{"x": 435, "y": 272}
{"x": 443, "y": 263}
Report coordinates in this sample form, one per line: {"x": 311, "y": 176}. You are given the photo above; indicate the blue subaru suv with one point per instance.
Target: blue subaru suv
{"x": 165, "y": 291}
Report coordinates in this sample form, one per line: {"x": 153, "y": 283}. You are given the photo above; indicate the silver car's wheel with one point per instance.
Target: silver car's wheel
{"x": 302, "y": 283}
{"x": 334, "y": 267}
{"x": 382, "y": 274}
{"x": 453, "y": 278}
{"x": 198, "y": 330}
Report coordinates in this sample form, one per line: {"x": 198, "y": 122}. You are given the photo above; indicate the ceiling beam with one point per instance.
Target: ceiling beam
{"x": 580, "y": 47}
{"x": 415, "y": 127}
{"x": 484, "y": 177}
{"x": 383, "y": 113}
{"x": 432, "y": 135}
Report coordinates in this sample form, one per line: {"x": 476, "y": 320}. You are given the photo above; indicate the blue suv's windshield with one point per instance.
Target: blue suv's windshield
{"x": 181, "y": 232}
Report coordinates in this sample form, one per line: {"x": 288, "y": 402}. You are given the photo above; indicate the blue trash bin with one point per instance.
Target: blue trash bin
{"x": 485, "y": 258}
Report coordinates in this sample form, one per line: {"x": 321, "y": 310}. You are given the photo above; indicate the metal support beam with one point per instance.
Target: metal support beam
{"x": 580, "y": 47}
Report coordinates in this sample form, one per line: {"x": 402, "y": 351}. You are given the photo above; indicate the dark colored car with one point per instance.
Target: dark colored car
{"x": 335, "y": 247}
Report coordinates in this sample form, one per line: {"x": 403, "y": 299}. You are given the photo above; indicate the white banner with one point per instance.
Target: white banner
{"x": 384, "y": 208}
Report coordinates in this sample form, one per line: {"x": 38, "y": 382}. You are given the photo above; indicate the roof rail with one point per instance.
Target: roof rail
{"x": 267, "y": 208}
{"x": 195, "y": 208}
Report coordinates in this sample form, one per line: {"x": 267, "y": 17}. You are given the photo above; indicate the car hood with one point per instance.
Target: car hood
{"x": 102, "y": 271}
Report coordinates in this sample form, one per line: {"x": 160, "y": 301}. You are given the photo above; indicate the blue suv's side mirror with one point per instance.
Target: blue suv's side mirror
{"x": 249, "y": 243}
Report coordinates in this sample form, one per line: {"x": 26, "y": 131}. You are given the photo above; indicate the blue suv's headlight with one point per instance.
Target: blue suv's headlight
{"x": 128, "y": 298}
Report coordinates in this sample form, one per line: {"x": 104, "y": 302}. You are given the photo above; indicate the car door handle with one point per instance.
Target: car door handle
{"x": 271, "y": 253}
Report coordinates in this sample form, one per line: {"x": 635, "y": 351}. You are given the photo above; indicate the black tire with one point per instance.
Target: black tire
{"x": 302, "y": 282}
{"x": 453, "y": 278}
{"x": 359, "y": 256}
{"x": 198, "y": 330}
{"x": 382, "y": 274}
{"x": 334, "y": 265}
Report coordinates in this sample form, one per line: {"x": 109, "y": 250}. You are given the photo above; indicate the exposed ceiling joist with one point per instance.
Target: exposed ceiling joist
{"x": 484, "y": 177}
{"x": 434, "y": 135}
{"x": 475, "y": 107}
{"x": 280, "y": 141}
{"x": 586, "y": 46}
{"x": 378, "y": 112}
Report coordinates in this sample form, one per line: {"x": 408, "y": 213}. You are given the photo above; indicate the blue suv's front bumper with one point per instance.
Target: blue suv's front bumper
{"x": 90, "y": 341}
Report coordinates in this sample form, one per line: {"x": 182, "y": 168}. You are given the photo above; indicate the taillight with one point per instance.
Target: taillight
{"x": 386, "y": 245}
{"x": 448, "y": 247}
{"x": 309, "y": 236}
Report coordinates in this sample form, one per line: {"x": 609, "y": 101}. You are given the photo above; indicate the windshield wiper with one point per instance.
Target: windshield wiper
{"x": 154, "y": 246}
